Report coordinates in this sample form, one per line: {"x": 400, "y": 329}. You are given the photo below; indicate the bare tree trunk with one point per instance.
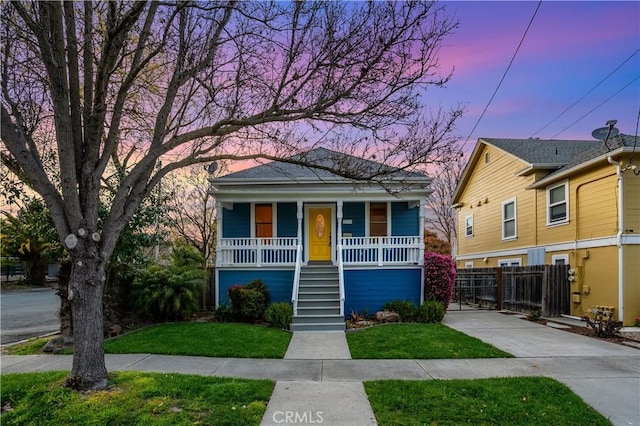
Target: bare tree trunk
{"x": 86, "y": 285}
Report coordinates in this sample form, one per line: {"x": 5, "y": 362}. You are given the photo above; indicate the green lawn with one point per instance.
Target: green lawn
{"x": 204, "y": 339}
{"x": 418, "y": 341}
{"x": 517, "y": 401}
{"x": 134, "y": 399}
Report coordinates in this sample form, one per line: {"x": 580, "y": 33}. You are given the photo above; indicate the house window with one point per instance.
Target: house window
{"x": 560, "y": 259}
{"x": 509, "y": 219}
{"x": 264, "y": 220}
{"x": 378, "y": 219}
{"x": 509, "y": 262}
{"x": 486, "y": 158}
{"x": 468, "y": 226}
{"x": 557, "y": 202}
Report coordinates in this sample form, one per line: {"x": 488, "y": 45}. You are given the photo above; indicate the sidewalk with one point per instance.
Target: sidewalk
{"x": 605, "y": 375}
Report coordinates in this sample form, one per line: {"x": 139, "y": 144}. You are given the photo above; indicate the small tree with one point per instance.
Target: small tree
{"x": 30, "y": 236}
{"x": 439, "y": 277}
{"x": 432, "y": 243}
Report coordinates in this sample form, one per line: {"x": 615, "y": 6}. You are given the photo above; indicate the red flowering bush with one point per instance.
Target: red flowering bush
{"x": 439, "y": 277}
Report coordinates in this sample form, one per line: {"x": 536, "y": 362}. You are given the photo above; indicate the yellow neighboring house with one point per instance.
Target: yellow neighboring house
{"x": 531, "y": 202}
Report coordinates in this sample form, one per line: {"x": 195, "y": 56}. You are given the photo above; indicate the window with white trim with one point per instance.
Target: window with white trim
{"x": 509, "y": 219}
{"x": 468, "y": 226}
{"x": 516, "y": 261}
{"x": 378, "y": 220}
{"x": 560, "y": 259}
{"x": 558, "y": 204}
{"x": 263, "y": 220}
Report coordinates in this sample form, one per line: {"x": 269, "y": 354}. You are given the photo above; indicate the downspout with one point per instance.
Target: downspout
{"x": 619, "y": 238}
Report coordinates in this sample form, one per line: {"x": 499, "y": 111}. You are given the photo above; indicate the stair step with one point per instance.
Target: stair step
{"x": 304, "y": 311}
{"x": 316, "y": 318}
{"x": 318, "y": 327}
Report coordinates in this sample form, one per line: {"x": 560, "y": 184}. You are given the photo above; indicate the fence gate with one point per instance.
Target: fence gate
{"x": 477, "y": 286}
{"x": 516, "y": 288}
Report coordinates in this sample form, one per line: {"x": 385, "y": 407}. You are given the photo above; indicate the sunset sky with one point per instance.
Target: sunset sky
{"x": 570, "y": 48}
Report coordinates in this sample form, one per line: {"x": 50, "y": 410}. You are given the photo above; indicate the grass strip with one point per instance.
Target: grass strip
{"x": 134, "y": 398}
{"x": 418, "y": 341}
{"x": 517, "y": 401}
{"x": 204, "y": 339}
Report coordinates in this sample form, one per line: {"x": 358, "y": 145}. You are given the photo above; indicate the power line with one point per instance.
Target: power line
{"x": 586, "y": 94}
{"x": 596, "y": 107}
{"x": 503, "y": 76}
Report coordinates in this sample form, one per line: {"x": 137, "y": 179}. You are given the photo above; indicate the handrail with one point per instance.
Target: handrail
{"x": 341, "y": 279}
{"x": 296, "y": 279}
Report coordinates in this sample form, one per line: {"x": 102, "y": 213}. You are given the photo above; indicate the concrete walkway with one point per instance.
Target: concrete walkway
{"x": 330, "y": 391}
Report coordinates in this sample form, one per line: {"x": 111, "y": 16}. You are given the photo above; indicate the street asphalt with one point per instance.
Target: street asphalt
{"x": 328, "y": 389}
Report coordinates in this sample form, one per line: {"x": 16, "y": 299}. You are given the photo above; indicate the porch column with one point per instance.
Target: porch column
{"x": 218, "y": 232}
{"x": 300, "y": 215}
{"x": 422, "y": 215}
{"x": 339, "y": 215}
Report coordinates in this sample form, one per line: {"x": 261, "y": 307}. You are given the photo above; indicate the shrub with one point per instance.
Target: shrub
{"x": 405, "y": 308}
{"x": 259, "y": 286}
{"x": 168, "y": 292}
{"x": 601, "y": 320}
{"x": 224, "y": 314}
{"x": 279, "y": 315}
{"x": 249, "y": 303}
{"x": 439, "y": 277}
{"x": 430, "y": 311}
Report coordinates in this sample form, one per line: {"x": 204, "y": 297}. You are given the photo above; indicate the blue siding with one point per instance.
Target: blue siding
{"x": 236, "y": 223}
{"x": 404, "y": 221}
{"x": 279, "y": 283}
{"x": 355, "y": 212}
{"x": 287, "y": 220}
{"x": 368, "y": 290}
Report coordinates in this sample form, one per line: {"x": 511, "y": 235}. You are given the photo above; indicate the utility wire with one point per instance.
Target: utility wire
{"x": 596, "y": 107}
{"x": 586, "y": 94}
{"x": 503, "y": 76}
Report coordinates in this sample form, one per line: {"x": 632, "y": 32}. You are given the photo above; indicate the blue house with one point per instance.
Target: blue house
{"x": 328, "y": 244}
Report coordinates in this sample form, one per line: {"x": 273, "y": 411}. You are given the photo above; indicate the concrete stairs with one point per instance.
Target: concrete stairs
{"x": 318, "y": 300}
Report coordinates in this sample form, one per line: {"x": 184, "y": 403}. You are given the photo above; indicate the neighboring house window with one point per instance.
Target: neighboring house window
{"x": 560, "y": 259}
{"x": 264, "y": 220}
{"x": 510, "y": 262}
{"x": 468, "y": 226}
{"x": 486, "y": 158}
{"x": 378, "y": 219}
{"x": 509, "y": 219}
{"x": 557, "y": 202}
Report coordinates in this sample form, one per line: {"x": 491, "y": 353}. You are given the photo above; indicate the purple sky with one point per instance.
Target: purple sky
{"x": 569, "y": 49}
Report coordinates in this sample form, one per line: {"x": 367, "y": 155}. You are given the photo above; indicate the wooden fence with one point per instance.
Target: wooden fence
{"x": 517, "y": 288}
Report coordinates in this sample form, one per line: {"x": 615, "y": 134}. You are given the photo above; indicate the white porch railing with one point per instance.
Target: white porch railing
{"x": 257, "y": 251}
{"x": 381, "y": 250}
{"x": 296, "y": 280}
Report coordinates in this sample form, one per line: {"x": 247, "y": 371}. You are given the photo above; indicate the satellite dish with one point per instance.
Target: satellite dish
{"x": 603, "y": 133}
{"x": 211, "y": 168}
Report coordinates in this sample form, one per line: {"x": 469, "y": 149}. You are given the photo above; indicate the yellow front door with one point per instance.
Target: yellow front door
{"x": 319, "y": 226}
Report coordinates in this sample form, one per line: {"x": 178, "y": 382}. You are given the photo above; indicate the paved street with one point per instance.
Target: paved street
{"x": 28, "y": 313}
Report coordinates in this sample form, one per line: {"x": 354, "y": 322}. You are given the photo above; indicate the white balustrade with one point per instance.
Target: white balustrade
{"x": 381, "y": 251}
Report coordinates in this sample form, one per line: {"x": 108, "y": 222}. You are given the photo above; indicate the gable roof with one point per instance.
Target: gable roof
{"x": 318, "y": 165}
{"x": 558, "y": 157}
